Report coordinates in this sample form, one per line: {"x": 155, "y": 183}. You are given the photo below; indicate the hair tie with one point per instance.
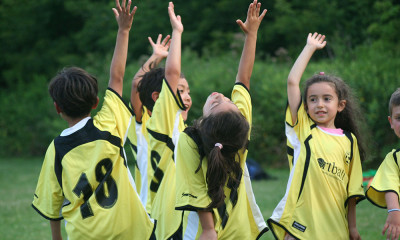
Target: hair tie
{"x": 218, "y": 145}
{"x": 321, "y": 73}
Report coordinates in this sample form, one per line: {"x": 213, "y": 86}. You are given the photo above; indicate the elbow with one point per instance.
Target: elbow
{"x": 172, "y": 74}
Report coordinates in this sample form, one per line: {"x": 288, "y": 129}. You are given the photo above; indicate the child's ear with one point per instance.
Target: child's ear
{"x": 155, "y": 96}
{"x": 342, "y": 105}
{"x": 58, "y": 109}
{"x": 97, "y": 103}
{"x": 390, "y": 121}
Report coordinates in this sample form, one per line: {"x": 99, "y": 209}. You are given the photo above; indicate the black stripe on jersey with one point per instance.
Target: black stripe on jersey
{"x": 290, "y": 151}
{"x": 313, "y": 126}
{"x": 241, "y": 84}
{"x": 270, "y": 222}
{"x": 223, "y": 214}
{"x": 190, "y": 208}
{"x": 350, "y": 137}
{"x": 89, "y": 133}
{"x": 122, "y": 100}
{"x": 359, "y": 199}
{"x": 298, "y": 107}
{"x": 395, "y": 157}
{"x": 266, "y": 229}
{"x": 306, "y": 163}
{"x": 53, "y": 219}
{"x": 163, "y": 138}
{"x": 178, "y": 101}
{"x": 376, "y": 204}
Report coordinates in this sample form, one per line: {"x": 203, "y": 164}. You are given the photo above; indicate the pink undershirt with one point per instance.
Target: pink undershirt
{"x": 338, "y": 131}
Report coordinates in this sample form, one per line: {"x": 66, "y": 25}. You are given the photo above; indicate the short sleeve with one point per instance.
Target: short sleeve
{"x": 302, "y": 116}
{"x": 386, "y": 180}
{"x": 115, "y": 115}
{"x": 165, "y": 111}
{"x": 48, "y": 198}
{"x": 355, "y": 185}
{"x": 191, "y": 186}
{"x": 241, "y": 98}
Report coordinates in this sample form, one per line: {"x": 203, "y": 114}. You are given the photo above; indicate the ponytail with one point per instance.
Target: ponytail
{"x": 219, "y": 137}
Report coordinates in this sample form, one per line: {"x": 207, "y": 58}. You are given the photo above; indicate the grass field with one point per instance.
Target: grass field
{"x": 18, "y": 220}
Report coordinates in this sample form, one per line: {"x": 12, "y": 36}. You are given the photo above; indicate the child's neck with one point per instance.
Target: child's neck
{"x": 72, "y": 121}
{"x": 332, "y": 130}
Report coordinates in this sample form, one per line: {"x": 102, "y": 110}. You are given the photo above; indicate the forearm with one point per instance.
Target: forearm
{"x": 173, "y": 63}
{"x": 247, "y": 60}
{"x": 351, "y": 215}
{"x": 392, "y": 200}
{"x": 55, "y": 230}
{"x": 117, "y": 69}
{"x": 153, "y": 61}
{"x": 300, "y": 65}
{"x": 207, "y": 224}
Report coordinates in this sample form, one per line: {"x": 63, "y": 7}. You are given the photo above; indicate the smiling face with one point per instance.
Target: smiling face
{"x": 323, "y": 104}
{"x": 217, "y": 102}
{"x": 184, "y": 91}
{"x": 394, "y": 120}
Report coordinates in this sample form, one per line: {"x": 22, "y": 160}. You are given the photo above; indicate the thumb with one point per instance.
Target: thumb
{"x": 115, "y": 12}
{"x": 241, "y": 24}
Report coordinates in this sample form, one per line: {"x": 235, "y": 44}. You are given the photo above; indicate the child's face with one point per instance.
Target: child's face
{"x": 217, "y": 102}
{"x": 184, "y": 91}
{"x": 323, "y": 104}
{"x": 394, "y": 120}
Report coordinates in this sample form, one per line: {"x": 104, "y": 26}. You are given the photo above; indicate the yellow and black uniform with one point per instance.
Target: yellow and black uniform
{"x": 240, "y": 216}
{"x": 387, "y": 179}
{"x": 326, "y": 172}
{"x": 143, "y": 171}
{"x": 85, "y": 179}
{"x": 164, "y": 127}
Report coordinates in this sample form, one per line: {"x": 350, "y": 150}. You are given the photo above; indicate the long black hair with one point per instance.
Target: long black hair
{"x": 231, "y": 130}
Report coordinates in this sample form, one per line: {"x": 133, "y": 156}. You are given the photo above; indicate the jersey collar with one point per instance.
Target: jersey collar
{"x": 75, "y": 128}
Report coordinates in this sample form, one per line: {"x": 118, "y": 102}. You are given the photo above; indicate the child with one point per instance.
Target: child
{"x": 137, "y": 134}
{"x": 325, "y": 180}
{"x": 384, "y": 189}
{"x": 212, "y": 179}
{"x": 164, "y": 126}
{"x": 84, "y": 177}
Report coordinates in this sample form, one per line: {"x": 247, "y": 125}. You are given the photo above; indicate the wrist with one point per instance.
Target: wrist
{"x": 393, "y": 210}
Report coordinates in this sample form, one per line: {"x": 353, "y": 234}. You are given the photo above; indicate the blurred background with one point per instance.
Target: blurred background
{"x": 38, "y": 38}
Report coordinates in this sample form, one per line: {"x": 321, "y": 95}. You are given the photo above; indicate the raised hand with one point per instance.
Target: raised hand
{"x": 253, "y": 19}
{"x": 316, "y": 40}
{"x": 123, "y": 14}
{"x": 160, "y": 49}
{"x": 176, "y": 21}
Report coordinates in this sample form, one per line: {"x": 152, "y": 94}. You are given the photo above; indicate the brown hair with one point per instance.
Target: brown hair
{"x": 350, "y": 118}
{"x": 230, "y": 129}
{"x": 394, "y": 100}
{"x": 75, "y": 91}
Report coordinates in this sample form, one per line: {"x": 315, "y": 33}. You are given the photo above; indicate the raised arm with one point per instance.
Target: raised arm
{"x": 250, "y": 28}
{"x": 160, "y": 51}
{"x": 314, "y": 42}
{"x": 124, "y": 17}
{"x": 173, "y": 63}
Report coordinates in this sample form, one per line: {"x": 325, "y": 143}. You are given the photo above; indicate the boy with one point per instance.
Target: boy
{"x": 384, "y": 189}
{"x": 84, "y": 177}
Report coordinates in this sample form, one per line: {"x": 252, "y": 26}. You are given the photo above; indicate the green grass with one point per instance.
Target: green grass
{"x": 18, "y": 220}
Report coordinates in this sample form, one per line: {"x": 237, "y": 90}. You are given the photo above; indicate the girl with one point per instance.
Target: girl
{"x": 325, "y": 180}
{"x": 212, "y": 180}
